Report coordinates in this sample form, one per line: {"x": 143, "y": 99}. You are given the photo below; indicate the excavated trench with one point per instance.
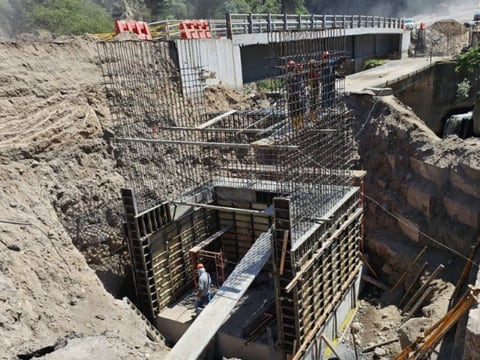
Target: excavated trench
{"x": 420, "y": 191}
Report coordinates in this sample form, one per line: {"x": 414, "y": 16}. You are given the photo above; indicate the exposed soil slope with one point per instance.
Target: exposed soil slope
{"x": 54, "y": 167}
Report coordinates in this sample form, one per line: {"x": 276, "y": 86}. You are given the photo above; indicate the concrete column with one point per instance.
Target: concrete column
{"x": 405, "y": 44}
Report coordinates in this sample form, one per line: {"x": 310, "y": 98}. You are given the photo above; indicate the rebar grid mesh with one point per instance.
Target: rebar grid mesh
{"x": 301, "y": 147}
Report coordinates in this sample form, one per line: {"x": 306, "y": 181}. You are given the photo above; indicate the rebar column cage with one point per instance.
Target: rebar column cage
{"x": 172, "y": 144}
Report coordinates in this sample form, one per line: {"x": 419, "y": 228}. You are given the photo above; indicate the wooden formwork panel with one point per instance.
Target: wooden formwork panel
{"x": 327, "y": 276}
{"x": 318, "y": 269}
{"x": 245, "y": 229}
{"x": 170, "y": 253}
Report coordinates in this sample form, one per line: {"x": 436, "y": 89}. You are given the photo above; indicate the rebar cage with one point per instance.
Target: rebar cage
{"x": 171, "y": 144}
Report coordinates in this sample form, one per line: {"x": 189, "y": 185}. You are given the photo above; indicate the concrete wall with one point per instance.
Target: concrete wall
{"x": 248, "y": 58}
{"x": 432, "y": 94}
{"x": 219, "y": 59}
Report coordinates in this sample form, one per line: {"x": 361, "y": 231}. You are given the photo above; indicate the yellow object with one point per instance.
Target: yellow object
{"x": 297, "y": 121}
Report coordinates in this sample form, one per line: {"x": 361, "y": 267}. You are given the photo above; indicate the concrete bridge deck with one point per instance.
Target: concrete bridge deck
{"x": 389, "y": 73}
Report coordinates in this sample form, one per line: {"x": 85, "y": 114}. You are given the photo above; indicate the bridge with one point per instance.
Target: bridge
{"x": 240, "y": 47}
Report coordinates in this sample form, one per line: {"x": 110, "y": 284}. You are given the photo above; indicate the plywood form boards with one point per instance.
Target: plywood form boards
{"x": 170, "y": 252}
{"x": 244, "y": 228}
{"x": 138, "y": 227}
{"x": 317, "y": 270}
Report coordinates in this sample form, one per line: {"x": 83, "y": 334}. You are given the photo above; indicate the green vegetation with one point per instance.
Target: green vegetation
{"x": 371, "y": 63}
{"x": 463, "y": 90}
{"x": 469, "y": 63}
{"x": 269, "y": 85}
{"x": 62, "y": 17}
{"x": 69, "y": 17}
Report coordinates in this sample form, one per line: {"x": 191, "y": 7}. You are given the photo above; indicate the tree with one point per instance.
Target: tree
{"x": 293, "y": 7}
{"x": 469, "y": 63}
{"x": 67, "y": 16}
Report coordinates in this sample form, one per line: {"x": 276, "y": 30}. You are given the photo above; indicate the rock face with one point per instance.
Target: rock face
{"x": 428, "y": 184}
{"x": 420, "y": 190}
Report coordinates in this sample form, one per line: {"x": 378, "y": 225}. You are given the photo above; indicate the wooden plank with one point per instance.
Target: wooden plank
{"x": 375, "y": 282}
{"x": 209, "y": 240}
{"x": 284, "y": 252}
{"x": 215, "y": 119}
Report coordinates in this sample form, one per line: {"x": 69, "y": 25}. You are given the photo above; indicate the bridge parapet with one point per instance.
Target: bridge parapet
{"x": 242, "y": 24}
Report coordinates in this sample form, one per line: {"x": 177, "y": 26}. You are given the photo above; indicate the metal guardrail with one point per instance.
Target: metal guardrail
{"x": 241, "y": 24}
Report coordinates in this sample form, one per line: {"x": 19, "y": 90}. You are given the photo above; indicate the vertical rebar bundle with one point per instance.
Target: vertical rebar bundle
{"x": 170, "y": 143}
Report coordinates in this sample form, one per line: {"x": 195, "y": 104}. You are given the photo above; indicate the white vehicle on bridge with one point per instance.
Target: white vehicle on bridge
{"x": 409, "y": 24}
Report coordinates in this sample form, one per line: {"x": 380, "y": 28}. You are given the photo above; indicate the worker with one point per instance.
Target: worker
{"x": 295, "y": 93}
{"x": 203, "y": 288}
{"x": 328, "y": 69}
{"x": 313, "y": 76}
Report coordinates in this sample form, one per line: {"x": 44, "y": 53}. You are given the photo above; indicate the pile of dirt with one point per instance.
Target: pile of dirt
{"x": 443, "y": 38}
{"x": 449, "y": 27}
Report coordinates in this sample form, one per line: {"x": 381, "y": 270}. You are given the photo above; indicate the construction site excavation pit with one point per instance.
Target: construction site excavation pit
{"x": 207, "y": 171}
{"x": 237, "y": 234}
{"x": 269, "y": 196}
{"x": 421, "y": 228}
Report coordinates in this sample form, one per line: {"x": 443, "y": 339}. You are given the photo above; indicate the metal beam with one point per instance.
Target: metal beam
{"x": 202, "y": 143}
{"x": 223, "y": 208}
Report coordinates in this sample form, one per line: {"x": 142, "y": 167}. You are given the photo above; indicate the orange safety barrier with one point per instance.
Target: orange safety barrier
{"x": 195, "y": 29}
{"x": 139, "y": 28}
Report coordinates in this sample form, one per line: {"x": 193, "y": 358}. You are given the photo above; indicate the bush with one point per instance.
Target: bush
{"x": 371, "y": 63}
{"x": 463, "y": 90}
{"x": 69, "y": 17}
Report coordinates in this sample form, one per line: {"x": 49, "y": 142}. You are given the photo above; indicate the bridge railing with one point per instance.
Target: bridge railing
{"x": 261, "y": 23}
{"x": 239, "y": 24}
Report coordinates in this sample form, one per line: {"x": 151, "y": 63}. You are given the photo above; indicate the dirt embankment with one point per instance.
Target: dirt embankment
{"x": 55, "y": 168}
{"x": 60, "y": 181}
{"x": 419, "y": 190}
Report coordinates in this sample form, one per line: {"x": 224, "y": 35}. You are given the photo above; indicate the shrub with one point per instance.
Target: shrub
{"x": 69, "y": 17}
{"x": 463, "y": 90}
{"x": 371, "y": 63}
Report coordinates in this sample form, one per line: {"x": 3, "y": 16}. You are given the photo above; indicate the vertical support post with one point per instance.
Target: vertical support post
{"x": 250, "y": 23}
{"x": 312, "y": 21}
{"x": 299, "y": 22}
{"x": 228, "y": 22}
{"x": 324, "y": 25}
{"x": 334, "y": 20}
{"x": 285, "y": 22}
{"x": 287, "y": 314}
{"x": 141, "y": 257}
{"x": 269, "y": 22}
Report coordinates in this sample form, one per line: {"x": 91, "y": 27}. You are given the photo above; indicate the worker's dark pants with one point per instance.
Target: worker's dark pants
{"x": 314, "y": 92}
{"x": 204, "y": 300}
{"x": 328, "y": 95}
